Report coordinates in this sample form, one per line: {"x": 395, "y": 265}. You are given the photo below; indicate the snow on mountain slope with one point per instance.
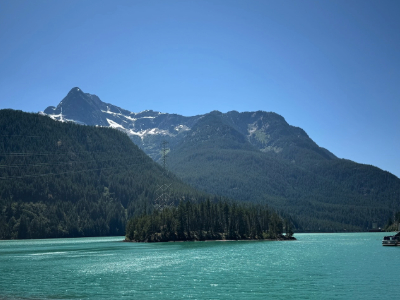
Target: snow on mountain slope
{"x": 147, "y": 128}
{"x": 267, "y": 131}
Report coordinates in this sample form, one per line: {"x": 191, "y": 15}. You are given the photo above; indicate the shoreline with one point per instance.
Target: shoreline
{"x": 284, "y": 238}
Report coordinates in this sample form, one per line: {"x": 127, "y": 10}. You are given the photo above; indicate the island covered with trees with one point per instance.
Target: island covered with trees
{"x": 209, "y": 220}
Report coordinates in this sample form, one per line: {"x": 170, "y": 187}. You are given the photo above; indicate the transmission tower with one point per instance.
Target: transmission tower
{"x": 162, "y": 193}
{"x": 164, "y": 155}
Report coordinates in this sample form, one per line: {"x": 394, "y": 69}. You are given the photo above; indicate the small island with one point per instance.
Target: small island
{"x": 207, "y": 220}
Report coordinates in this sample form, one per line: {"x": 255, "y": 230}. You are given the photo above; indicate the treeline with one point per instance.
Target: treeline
{"x": 67, "y": 180}
{"x": 208, "y": 220}
{"x": 32, "y": 220}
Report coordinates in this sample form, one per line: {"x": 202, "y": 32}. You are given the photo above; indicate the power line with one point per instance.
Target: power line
{"x": 21, "y": 135}
{"x": 63, "y": 153}
{"x": 22, "y": 166}
{"x": 62, "y": 173}
{"x": 50, "y": 153}
{"x": 62, "y": 163}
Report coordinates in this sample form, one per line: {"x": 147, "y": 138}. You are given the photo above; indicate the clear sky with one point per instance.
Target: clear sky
{"x": 329, "y": 67}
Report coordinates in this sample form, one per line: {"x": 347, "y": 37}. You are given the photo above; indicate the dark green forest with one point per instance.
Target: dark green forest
{"x": 67, "y": 180}
{"x": 282, "y": 167}
{"x": 208, "y": 220}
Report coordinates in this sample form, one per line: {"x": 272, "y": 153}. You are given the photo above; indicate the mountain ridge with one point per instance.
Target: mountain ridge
{"x": 259, "y": 157}
{"x": 149, "y": 128}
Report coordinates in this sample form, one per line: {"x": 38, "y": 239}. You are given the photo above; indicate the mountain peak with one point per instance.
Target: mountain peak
{"x": 74, "y": 90}
{"x": 79, "y": 107}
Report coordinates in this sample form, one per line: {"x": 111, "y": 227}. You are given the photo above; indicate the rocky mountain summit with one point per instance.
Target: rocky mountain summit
{"x": 265, "y": 131}
{"x": 147, "y": 129}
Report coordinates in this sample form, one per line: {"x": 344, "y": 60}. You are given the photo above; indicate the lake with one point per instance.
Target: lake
{"x": 316, "y": 266}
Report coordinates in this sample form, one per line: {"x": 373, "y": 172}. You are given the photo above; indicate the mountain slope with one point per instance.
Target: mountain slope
{"x": 255, "y": 156}
{"x": 290, "y": 173}
{"x": 65, "y": 180}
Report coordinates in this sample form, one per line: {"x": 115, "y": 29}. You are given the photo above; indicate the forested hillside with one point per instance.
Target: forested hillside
{"x": 279, "y": 165}
{"x": 67, "y": 180}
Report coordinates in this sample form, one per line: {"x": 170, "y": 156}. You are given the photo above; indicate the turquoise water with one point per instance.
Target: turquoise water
{"x": 316, "y": 266}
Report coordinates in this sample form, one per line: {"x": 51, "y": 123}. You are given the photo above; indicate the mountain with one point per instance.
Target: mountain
{"x": 147, "y": 129}
{"x": 285, "y": 169}
{"x": 67, "y": 180}
{"x": 252, "y": 156}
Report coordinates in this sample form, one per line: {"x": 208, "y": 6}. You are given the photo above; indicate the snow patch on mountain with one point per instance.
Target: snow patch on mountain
{"x": 114, "y": 124}
{"x": 61, "y": 118}
{"x": 129, "y": 118}
{"x": 87, "y": 109}
{"x": 152, "y": 131}
{"x": 181, "y": 128}
{"x": 56, "y": 117}
{"x": 73, "y": 121}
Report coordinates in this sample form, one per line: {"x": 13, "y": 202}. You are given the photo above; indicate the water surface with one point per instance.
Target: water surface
{"x": 316, "y": 266}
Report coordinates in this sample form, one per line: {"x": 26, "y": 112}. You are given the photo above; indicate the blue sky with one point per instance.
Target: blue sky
{"x": 329, "y": 67}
